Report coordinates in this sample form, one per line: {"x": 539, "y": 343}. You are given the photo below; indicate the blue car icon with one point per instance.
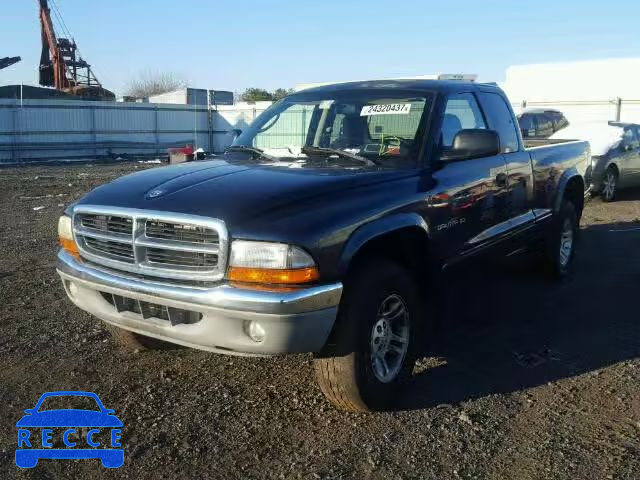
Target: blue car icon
{"x": 40, "y": 446}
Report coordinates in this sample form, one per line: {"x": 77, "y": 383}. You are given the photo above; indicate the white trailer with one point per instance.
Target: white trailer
{"x": 585, "y": 91}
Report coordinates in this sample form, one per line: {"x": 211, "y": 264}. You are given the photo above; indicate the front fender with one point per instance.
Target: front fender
{"x": 376, "y": 228}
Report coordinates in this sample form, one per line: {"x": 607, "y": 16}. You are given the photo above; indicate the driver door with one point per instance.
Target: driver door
{"x": 470, "y": 201}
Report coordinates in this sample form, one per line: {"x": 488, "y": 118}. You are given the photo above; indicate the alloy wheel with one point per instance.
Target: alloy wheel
{"x": 389, "y": 338}
{"x": 609, "y": 185}
{"x": 566, "y": 242}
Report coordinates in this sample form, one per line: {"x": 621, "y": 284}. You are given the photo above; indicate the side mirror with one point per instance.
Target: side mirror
{"x": 236, "y": 132}
{"x": 473, "y": 143}
{"x": 29, "y": 411}
{"x": 109, "y": 411}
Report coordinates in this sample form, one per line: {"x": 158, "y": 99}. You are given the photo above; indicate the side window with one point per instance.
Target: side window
{"x": 630, "y": 139}
{"x": 337, "y": 130}
{"x": 501, "y": 120}
{"x": 527, "y": 125}
{"x": 545, "y": 127}
{"x": 560, "y": 123}
{"x": 462, "y": 112}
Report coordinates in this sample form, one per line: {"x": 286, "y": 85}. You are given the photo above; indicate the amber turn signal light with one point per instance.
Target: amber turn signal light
{"x": 268, "y": 275}
{"x": 69, "y": 246}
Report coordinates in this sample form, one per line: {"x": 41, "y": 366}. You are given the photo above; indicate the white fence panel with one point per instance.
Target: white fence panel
{"x": 65, "y": 129}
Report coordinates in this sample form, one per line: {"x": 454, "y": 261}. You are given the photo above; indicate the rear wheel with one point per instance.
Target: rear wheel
{"x": 371, "y": 350}
{"x": 560, "y": 247}
{"x": 609, "y": 186}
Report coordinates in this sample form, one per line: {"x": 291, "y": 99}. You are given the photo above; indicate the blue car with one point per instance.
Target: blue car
{"x": 98, "y": 419}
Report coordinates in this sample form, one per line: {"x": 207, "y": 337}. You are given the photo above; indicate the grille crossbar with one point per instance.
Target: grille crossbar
{"x": 185, "y": 247}
{"x": 152, "y": 310}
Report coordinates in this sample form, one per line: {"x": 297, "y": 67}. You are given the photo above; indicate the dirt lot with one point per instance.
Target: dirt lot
{"x": 531, "y": 380}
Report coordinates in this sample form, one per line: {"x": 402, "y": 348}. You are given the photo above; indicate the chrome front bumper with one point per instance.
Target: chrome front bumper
{"x": 294, "y": 321}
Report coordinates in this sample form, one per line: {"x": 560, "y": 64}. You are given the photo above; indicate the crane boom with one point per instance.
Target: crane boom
{"x": 60, "y": 65}
{"x": 8, "y": 61}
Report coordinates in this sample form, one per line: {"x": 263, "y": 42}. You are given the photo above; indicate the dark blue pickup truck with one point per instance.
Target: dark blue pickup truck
{"x": 322, "y": 228}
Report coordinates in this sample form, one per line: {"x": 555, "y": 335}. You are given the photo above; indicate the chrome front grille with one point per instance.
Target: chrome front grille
{"x": 168, "y": 245}
{"x": 107, "y": 223}
{"x": 186, "y": 233}
{"x": 190, "y": 259}
{"x": 115, "y": 250}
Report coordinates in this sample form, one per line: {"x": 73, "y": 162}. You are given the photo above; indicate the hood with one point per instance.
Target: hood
{"x": 231, "y": 189}
{"x": 69, "y": 418}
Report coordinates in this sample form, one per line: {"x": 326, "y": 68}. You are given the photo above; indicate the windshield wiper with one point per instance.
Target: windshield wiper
{"x": 326, "y": 152}
{"x": 256, "y": 151}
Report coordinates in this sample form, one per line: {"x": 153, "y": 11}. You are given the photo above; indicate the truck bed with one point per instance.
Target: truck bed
{"x": 541, "y": 142}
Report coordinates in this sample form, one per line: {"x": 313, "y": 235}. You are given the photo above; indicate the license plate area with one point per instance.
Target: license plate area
{"x": 148, "y": 310}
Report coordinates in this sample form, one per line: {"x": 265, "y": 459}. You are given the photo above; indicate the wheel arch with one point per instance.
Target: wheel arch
{"x": 571, "y": 187}
{"x": 613, "y": 165}
{"x": 403, "y": 238}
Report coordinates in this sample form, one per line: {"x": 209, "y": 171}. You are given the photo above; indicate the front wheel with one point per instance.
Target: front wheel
{"x": 371, "y": 350}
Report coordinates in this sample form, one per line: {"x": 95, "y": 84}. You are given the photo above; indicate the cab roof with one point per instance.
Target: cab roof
{"x": 444, "y": 86}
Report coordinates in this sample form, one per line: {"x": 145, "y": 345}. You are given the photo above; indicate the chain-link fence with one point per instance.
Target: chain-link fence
{"x": 62, "y": 129}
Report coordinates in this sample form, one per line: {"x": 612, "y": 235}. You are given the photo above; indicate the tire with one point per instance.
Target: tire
{"x": 609, "y": 185}
{"x": 132, "y": 341}
{"x": 349, "y": 371}
{"x": 559, "y": 251}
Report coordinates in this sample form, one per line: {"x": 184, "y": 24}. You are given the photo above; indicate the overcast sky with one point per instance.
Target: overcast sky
{"x": 237, "y": 44}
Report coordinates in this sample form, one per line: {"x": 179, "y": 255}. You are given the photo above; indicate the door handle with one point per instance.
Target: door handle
{"x": 501, "y": 179}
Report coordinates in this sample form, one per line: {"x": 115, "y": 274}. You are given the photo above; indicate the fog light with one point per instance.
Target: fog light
{"x": 255, "y": 331}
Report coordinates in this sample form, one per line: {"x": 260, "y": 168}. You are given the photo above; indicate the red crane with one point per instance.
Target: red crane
{"x": 8, "y": 61}
{"x": 60, "y": 65}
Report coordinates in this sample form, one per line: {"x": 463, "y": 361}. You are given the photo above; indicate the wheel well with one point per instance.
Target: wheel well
{"x": 614, "y": 167}
{"x": 407, "y": 246}
{"x": 574, "y": 192}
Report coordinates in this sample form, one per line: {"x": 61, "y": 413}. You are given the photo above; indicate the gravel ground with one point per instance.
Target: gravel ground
{"x": 529, "y": 379}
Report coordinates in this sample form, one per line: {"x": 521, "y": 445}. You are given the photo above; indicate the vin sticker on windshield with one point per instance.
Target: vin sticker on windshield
{"x": 386, "y": 109}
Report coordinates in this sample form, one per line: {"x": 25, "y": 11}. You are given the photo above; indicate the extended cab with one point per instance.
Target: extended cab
{"x": 324, "y": 228}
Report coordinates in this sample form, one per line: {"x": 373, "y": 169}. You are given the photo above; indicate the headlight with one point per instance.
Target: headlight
{"x": 65, "y": 236}
{"x": 266, "y": 262}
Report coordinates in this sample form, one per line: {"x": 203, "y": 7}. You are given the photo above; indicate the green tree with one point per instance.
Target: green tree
{"x": 255, "y": 95}
{"x": 281, "y": 93}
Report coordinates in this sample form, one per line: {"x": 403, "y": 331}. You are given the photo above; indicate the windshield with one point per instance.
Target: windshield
{"x": 381, "y": 127}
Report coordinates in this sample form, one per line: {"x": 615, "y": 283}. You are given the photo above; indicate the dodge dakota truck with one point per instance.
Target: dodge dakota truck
{"x": 324, "y": 229}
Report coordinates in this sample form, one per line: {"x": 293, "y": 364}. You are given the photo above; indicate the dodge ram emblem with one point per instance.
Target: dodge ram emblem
{"x": 154, "y": 193}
